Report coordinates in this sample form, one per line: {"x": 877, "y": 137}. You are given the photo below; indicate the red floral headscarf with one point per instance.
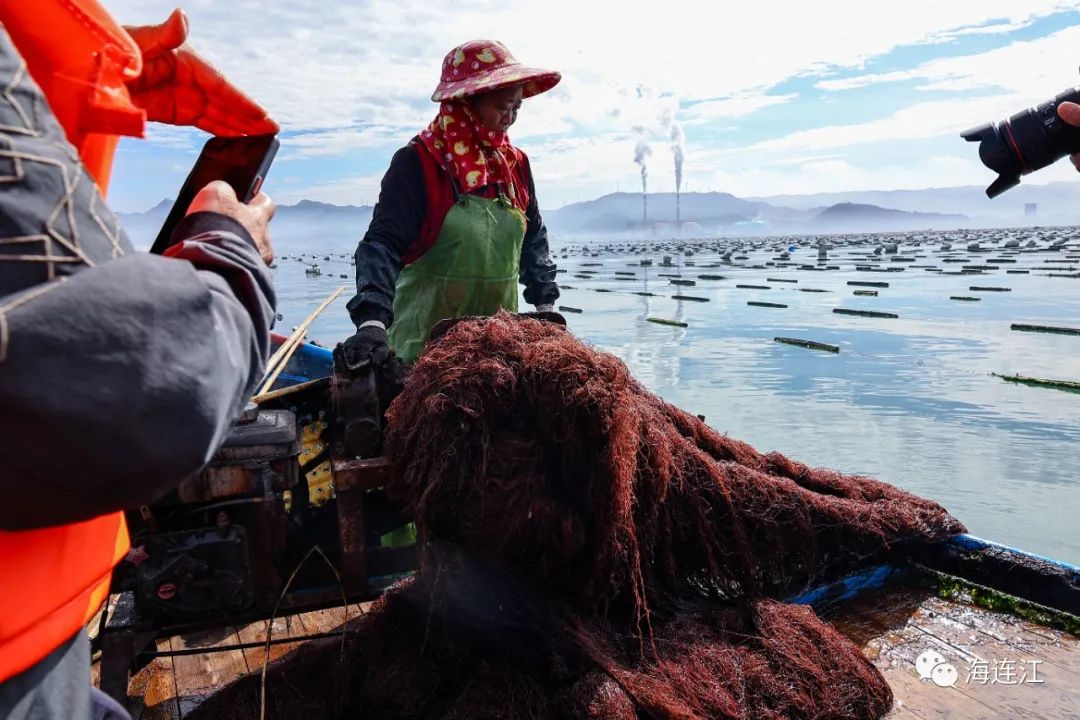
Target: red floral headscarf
{"x": 473, "y": 155}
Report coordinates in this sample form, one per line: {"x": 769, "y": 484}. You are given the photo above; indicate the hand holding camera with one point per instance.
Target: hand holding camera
{"x": 1070, "y": 113}
{"x": 1029, "y": 140}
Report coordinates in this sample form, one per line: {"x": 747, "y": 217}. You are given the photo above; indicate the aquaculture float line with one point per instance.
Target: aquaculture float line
{"x": 808, "y": 344}
{"x": 665, "y": 321}
{"x": 865, "y": 313}
{"x": 1021, "y": 327}
{"x": 1067, "y": 385}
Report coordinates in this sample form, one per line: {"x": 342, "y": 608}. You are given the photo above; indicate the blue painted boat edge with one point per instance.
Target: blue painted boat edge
{"x": 973, "y": 543}
{"x": 848, "y": 587}
{"x": 876, "y": 577}
{"x": 308, "y": 362}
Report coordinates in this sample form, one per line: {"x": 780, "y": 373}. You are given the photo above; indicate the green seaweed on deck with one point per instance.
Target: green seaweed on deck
{"x": 956, "y": 589}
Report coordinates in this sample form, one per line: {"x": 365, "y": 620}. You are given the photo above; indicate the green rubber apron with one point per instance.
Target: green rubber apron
{"x": 471, "y": 270}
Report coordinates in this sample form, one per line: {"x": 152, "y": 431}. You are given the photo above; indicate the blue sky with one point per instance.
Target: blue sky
{"x": 778, "y": 97}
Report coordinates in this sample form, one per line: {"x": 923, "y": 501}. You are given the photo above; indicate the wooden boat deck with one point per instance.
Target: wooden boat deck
{"x": 992, "y": 652}
{"x": 1006, "y": 667}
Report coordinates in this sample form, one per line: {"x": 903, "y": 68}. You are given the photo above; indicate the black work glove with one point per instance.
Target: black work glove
{"x": 547, "y": 315}
{"x": 368, "y": 345}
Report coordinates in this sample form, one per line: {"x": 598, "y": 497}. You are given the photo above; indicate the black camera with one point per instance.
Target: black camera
{"x": 1027, "y": 141}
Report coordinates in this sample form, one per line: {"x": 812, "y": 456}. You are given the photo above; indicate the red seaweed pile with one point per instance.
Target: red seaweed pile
{"x": 590, "y": 551}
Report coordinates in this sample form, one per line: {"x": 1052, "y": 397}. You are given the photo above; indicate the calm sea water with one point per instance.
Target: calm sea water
{"x": 910, "y": 401}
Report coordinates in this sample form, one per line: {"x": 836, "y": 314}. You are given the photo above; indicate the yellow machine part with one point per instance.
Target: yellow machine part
{"x": 320, "y": 479}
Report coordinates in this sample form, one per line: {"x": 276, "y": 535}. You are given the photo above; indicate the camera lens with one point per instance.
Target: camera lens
{"x": 1027, "y": 141}
{"x": 997, "y": 153}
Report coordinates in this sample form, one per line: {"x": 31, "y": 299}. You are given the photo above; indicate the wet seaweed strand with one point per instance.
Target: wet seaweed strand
{"x": 590, "y": 551}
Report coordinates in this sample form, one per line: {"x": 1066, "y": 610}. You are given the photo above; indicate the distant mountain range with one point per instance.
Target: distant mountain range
{"x": 298, "y": 226}
{"x": 853, "y": 217}
{"x": 308, "y": 224}
{"x": 1056, "y": 202}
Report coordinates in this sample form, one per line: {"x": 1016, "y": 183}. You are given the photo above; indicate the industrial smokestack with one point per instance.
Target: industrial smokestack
{"x": 642, "y": 151}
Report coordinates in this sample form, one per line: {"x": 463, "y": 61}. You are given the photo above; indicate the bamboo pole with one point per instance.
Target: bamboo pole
{"x": 280, "y": 358}
{"x": 282, "y": 392}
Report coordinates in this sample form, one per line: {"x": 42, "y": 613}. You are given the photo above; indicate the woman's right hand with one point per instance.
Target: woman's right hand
{"x": 369, "y": 344}
{"x": 255, "y": 216}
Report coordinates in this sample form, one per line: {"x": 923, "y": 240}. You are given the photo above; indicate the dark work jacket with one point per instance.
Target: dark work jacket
{"x": 120, "y": 372}
{"x": 416, "y": 195}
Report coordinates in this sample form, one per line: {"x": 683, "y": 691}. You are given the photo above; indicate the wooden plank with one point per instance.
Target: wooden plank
{"x": 1052, "y": 645}
{"x": 199, "y": 676}
{"x": 281, "y": 628}
{"x": 1055, "y": 696}
{"x": 152, "y": 690}
{"x": 894, "y": 629}
{"x": 929, "y": 702}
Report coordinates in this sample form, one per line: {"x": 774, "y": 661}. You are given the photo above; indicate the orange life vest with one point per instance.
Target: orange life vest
{"x": 53, "y": 580}
{"x": 81, "y": 59}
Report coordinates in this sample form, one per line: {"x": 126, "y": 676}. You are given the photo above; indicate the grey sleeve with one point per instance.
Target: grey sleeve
{"x": 119, "y": 381}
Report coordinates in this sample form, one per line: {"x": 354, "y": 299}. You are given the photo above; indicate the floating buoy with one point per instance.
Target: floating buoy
{"x": 663, "y": 321}
{"x": 967, "y": 298}
{"x": 866, "y": 293}
{"x": 864, "y": 313}
{"x": 686, "y": 283}
{"x": 813, "y": 290}
{"x": 689, "y": 297}
{"x": 567, "y": 308}
{"x": 868, "y": 283}
{"x": 1045, "y": 329}
{"x": 808, "y": 344}
{"x": 754, "y": 287}
{"x": 783, "y": 280}
{"x": 712, "y": 277}
{"x": 757, "y": 303}
{"x": 979, "y": 288}
{"x": 1067, "y": 385}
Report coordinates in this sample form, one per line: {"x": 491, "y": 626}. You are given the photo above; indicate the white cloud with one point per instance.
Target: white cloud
{"x": 357, "y": 76}
{"x": 1030, "y": 68}
{"x": 359, "y": 190}
{"x": 737, "y": 106}
{"x": 320, "y": 65}
{"x": 923, "y": 120}
{"x": 337, "y": 141}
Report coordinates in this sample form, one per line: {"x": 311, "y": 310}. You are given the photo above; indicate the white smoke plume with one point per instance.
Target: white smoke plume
{"x": 678, "y": 148}
{"x": 642, "y": 151}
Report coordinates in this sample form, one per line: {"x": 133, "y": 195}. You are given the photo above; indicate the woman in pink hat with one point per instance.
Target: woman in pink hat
{"x": 457, "y": 224}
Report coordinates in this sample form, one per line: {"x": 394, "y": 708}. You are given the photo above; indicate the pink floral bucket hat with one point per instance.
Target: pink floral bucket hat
{"x": 481, "y": 66}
